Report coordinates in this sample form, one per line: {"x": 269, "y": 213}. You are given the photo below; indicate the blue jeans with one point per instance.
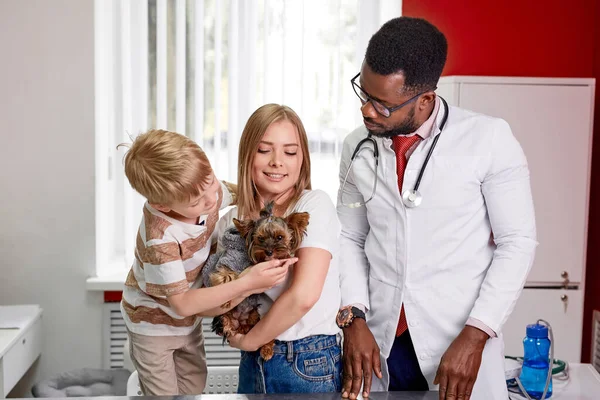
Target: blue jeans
{"x": 309, "y": 365}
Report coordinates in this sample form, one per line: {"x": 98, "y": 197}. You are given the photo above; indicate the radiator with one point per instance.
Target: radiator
{"x": 114, "y": 335}
{"x": 596, "y": 341}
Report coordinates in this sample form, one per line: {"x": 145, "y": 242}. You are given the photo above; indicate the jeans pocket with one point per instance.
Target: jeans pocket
{"x": 314, "y": 366}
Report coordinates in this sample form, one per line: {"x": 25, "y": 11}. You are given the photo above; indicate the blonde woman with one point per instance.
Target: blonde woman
{"x": 274, "y": 165}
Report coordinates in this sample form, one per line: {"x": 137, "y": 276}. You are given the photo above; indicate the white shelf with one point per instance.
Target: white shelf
{"x": 106, "y": 283}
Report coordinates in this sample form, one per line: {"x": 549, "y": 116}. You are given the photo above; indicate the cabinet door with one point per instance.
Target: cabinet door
{"x": 563, "y": 313}
{"x": 553, "y": 125}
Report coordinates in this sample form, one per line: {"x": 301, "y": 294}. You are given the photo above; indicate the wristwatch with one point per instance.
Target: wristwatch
{"x": 347, "y": 314}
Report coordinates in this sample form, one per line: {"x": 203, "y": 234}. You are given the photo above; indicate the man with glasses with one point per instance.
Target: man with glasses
{"x": 427, "y": 285}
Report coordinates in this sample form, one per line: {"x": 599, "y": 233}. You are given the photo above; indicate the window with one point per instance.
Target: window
{"x": 201, "y": 68}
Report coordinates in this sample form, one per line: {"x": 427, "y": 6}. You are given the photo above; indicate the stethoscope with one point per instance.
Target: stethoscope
{"x": 411, "y": 197}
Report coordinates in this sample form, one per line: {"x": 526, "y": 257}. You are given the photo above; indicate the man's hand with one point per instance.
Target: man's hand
{"x": 361, "y": 356}
{"x": 460, "y": 364}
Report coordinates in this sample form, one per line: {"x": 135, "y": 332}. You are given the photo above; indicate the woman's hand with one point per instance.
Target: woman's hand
{"x": 267, "y": 274}
{"x": 242, "y": 342}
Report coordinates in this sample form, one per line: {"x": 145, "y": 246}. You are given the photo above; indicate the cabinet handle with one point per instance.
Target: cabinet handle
{"x": 566, "y": 281}
{"x": 565, "y": 299}
{"x": 24, "y": 340}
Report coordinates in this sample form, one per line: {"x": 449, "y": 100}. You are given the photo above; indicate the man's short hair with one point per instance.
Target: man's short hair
{"x": 412, "y": 46}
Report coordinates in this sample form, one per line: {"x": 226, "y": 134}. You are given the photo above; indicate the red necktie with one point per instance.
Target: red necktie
{"x": 401, "y": 145}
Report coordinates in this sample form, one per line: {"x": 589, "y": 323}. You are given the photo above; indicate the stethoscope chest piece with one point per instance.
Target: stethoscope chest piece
{"x": 412, "y": 198}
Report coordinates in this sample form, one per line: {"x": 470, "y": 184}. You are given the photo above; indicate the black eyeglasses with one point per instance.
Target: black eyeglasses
{"x": 380, "y": 108}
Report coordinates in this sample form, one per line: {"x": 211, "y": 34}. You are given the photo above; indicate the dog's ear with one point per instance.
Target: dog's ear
{"x": 268, "y": 210}
{"x": 244, "y": 227}
{"x": 297, "y": 223}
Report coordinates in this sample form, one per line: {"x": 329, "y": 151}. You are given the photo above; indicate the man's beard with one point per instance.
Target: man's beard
{"x": 407, "y": 127}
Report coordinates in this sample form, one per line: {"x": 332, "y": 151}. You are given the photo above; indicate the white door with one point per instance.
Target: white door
{"x": 563, "y": 313}
{"x": 553, "y": 125}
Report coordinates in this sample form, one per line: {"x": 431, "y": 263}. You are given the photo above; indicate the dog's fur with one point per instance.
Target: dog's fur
{"x": 248, "y": 243}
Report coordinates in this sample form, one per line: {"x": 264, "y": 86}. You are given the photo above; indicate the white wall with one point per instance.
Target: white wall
{"x": 47, "y": 239}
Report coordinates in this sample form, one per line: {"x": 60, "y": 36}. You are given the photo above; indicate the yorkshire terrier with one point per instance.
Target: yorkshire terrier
{"x": 248, "y": 243}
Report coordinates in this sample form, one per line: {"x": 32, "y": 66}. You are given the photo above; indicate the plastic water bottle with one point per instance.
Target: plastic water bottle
{"x": 536, "y": 361}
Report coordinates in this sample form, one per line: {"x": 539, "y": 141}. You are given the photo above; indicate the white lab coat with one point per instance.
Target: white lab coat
{"x": 439, "y": 259}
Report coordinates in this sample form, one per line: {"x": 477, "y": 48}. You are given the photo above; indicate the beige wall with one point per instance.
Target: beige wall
{"x": 47, "y": 234}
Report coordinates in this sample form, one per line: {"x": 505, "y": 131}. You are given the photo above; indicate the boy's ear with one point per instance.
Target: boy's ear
{"x": 297, "y": 223}
{"x": 244, "y": 227}
{"x": 160, "y": 207}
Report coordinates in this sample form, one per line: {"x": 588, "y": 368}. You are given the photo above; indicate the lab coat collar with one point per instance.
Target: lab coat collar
{"x": 440, "y": 116}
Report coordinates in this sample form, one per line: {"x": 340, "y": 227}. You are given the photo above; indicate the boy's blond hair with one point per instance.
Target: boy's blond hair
{"x": 166, "y": 167}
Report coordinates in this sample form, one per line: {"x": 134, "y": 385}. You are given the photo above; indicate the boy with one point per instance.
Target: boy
{"x": 162, "y": 300}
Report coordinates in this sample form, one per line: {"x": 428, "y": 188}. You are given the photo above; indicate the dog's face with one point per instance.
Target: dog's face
{"x": 271, "y": 237}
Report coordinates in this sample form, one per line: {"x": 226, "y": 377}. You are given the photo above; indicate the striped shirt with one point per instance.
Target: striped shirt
{"x": 169, "y": 255}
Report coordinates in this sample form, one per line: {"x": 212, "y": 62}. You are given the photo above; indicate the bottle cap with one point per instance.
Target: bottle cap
{"x": 537, "y": 331}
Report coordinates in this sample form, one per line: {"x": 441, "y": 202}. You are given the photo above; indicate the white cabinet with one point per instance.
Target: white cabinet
{"x": 20, "y": 343}
{"x": 563, "y": 309}
{"x": 22, "y": 354}
{"x": 552, "y": 120}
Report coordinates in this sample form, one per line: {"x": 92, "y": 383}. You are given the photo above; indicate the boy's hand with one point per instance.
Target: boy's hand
{"x": 267, "y": 274}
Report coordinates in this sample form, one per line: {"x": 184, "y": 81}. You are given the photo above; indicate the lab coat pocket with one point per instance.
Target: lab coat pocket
{"x": 451, "y": 182}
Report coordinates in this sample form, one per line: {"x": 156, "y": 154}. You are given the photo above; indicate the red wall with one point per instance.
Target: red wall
{"x": 592, "y": 290}
{"x": 548, "y": 38}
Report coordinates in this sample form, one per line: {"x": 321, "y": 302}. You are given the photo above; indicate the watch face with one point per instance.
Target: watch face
{"x": 344, "y": 316}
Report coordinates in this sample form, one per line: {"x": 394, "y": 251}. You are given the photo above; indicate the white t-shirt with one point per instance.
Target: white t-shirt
{"x": 323, "y": 232}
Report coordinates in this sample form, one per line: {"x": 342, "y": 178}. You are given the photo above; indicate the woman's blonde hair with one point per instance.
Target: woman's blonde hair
{"x": 257, "y": 125}
{"x": 166, "y": 167}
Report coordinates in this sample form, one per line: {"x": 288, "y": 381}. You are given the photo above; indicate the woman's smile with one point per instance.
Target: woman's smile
{"x": 275, "y": 177}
